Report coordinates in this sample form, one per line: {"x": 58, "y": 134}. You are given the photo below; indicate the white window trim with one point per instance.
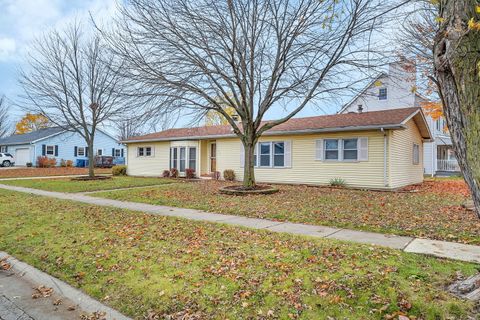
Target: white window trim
{"x": 269, "y": 143}
{"x": 340, "y": 151}
{"x": 386, "y": 96}
{"x": 272, "y": 165}
{"x": 53, "y": 150}
{"x": 152, "y": 152}
{"x": 119, "y": 152}
{"x": 416, "y": 157}
{"x": 101, "y": 151}
{"x": 84, "y": 151}
{"x": 273, "y": 154}
{"x": 187, "y": 158}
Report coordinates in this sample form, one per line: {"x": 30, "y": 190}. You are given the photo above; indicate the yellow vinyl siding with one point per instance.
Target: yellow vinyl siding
{"x": 148, "y": 166}
{"x": 304, "y": 168}
{"x": 403, "y": 172}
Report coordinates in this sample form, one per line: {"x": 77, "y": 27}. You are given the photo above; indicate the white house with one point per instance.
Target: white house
{"x": 394, "y": 90}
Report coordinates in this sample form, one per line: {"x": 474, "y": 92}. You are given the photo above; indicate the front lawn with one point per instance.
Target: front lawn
{"x": 45, "y": 172}
{"x": 433, "y": 211}
{"x": 160, "y": 267}
{"x": 69, "y": 185}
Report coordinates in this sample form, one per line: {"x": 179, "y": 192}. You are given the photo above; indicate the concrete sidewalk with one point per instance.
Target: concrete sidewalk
{"x": 436, "y": 248}
{"x": 19, "y": 282}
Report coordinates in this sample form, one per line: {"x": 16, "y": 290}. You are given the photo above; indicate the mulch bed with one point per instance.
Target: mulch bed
{"x": 241, "y": 190}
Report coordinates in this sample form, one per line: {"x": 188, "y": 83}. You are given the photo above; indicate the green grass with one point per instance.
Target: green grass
{"x": 175, "y": 268}
{"x": 69, "y": 185}
{"x": 434, "y": 211}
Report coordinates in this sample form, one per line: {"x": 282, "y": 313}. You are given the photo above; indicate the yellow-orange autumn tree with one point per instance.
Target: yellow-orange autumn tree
{"x": 31, "y": 122}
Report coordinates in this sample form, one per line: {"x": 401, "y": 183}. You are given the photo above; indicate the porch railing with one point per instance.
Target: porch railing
{"x": 448, "y": 165}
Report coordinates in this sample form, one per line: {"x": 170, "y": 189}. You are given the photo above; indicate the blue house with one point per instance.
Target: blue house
{"x": 60, "y": 144}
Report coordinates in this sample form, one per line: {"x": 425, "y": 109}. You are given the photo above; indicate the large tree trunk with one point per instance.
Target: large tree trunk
{"x": 457, "y": 69}
{"x": 91, "y": 159}
{"x": 249, "y": 165}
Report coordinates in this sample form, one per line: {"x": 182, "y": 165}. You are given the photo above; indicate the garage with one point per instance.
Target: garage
{"x": 22, "y": 156}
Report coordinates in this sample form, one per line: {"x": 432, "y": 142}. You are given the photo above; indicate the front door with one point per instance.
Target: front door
{"x": 213, "y": 157}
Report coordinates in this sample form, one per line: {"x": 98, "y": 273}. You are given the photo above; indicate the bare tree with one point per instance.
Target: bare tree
{"x": 456, "y": 55}
{"x": 72, "y": 81}
{"x": 5, "y": 124}
{"x": 254, "y": 54}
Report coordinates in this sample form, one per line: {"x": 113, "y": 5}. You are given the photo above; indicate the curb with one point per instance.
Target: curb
{"x": 83, "y": 301}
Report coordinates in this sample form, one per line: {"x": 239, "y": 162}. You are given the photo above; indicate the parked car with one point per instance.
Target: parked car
{"x": 6, "y": 160}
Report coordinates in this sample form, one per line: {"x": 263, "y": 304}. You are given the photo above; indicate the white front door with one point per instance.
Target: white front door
{"x": 22, "y": 156}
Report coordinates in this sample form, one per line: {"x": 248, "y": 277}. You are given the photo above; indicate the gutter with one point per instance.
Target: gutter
{"x": 276, "y": 133}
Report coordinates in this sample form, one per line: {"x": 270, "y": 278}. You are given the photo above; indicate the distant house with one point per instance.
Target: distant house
{"x": 393, "y": 90}
{"x": 379, "y": 149}
{"x": 60, "y": 144}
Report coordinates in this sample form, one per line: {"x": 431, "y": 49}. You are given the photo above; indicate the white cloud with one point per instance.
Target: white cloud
{"x": 7, "y": 48}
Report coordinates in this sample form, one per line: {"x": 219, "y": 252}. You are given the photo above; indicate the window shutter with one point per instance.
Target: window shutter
{"x": 75, "y": 151}
{"x": 44, "y": 147}
{"x": 242, "y": 155}
{"x": 362, "y": 149}
{"x": 288, "y": 153}
{"x": 113, "y": 152}
{"x": 319, "y": 149}
{"x": 122, "y": 152}
{"x": 56, "y": 151}
{"x": 86, "y": 151}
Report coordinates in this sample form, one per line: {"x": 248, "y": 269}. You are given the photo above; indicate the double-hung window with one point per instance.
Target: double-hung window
{"x": 81, "y": 151}
{"x": 118, "y": 152}
{"x": 382, "y": 94}
{"x": 265, "y": 154}
{"x": 350, "y": 149}
{"x": 416, "y": 154}
{"x": 99, "y": 152}
{"x": 278, "y": 154}
{"x": 192, "y": 158}
{"x": 50, "y": 150}
{"x": 332, "y": 149}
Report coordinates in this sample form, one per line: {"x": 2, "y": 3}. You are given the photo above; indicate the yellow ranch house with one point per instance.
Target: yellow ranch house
{"x": 375, "y": 150}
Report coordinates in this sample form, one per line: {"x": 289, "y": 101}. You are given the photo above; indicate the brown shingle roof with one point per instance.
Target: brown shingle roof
{"x": 348, "y": 121}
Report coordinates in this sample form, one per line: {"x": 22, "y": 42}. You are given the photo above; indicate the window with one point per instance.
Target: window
{"x": 437, "y": 122}
{"x": 144, "y": 151}
{"x": 81, "y": 151}
{"x": 192, "y": 158}
{"x": 99, "y": 152}
{"x": 416, "y": 154}
{"x": 331, "y": 149}
{"x": 382, "y": 94}
{"x": 174, "y": 157}
{"x": 182, "y": 159}
{"x": 118, "y": 153}
{"x": 265, "y": 154}
{"x": 50, "y": 150}
{"x": 350, "y": 149}
{"x": 3, "y": 149}
{"x": 278, "y": 154}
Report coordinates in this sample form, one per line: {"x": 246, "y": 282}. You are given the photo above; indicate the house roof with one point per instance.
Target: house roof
{"x": 387, "y": 119}
{"x": 31, "y": 136}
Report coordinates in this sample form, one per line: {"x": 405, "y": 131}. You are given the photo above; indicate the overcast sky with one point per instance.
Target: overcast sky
{"x": 21, "y": 21}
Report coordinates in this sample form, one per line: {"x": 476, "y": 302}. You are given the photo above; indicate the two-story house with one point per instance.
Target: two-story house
{"x": 394, "y": 90}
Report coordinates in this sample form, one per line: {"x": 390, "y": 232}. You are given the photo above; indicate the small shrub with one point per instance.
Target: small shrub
{"x": 29, "y": 164}
{"x": 174, "y": 173}
{"x": 190, "y": 173}
{"x": 166, "y": 174}
{"x": 229, "y": 175}
{"x": 46, "y": 162}
{"x": 63, "y": 163}
{"x": 337, "y": 182}
{"x": 119, "y": 170}
{"x": 216, "y": 175}
{"x": 69, "y": 163}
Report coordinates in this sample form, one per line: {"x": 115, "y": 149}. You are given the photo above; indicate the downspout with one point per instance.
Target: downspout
{"x": 385, "y": 178}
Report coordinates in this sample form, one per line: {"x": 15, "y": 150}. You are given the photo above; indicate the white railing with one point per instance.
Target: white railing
{"x": 447, "y": 165}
